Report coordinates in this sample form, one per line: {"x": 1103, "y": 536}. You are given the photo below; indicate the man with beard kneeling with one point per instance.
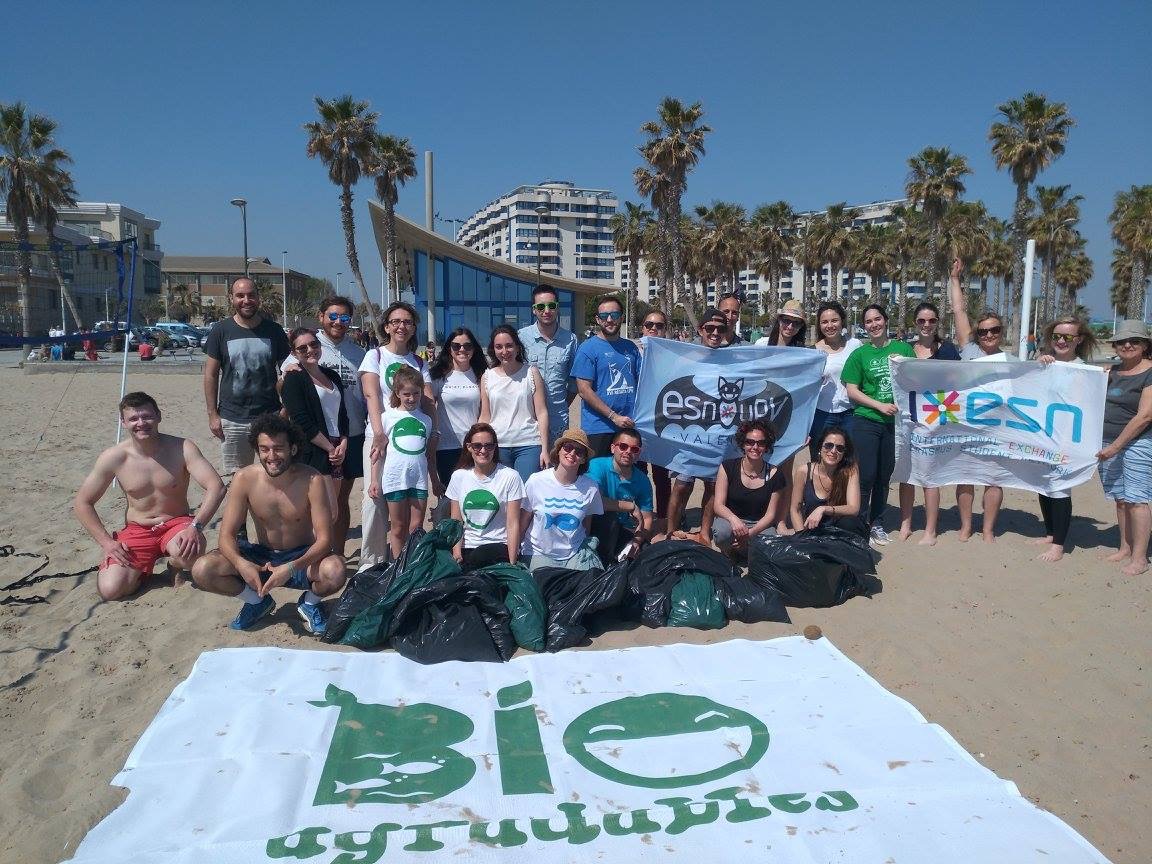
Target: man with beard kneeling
{"x": 289, "y": 506}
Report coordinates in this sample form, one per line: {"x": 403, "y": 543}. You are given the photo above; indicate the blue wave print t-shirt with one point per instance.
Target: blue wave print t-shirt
{"x": 558, "y": 514}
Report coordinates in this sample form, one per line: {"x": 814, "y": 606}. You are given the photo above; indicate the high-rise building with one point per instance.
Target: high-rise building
{"x": 554, "y": 228}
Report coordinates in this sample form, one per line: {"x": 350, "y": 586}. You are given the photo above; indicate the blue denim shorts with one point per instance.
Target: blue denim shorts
{"x": 260, "y": 555}
{"x": 1127, "y": 476}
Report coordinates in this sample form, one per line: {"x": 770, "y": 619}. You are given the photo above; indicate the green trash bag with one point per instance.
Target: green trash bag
{"x": 523, "y": 600}
{"x": 695, "y": 604}
{"x": 424, "y": 560}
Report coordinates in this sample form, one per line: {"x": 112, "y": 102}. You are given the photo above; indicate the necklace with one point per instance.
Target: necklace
{"x": 758, "y": 475}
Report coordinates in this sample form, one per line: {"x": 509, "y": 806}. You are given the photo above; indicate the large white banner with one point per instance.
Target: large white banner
{"x": 1021, "y": 425}
{"x": 743, "y": 751}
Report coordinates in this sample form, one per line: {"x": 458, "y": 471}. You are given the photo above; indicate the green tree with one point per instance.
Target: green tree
{"x": 772, "y": 226}
{"x": 994, "y": 261}
{"x": 935, "y": 182}
{"x": 393, "y": 163}
{"x": 1054, "y": 228}
{"x": 1072, "y": 273}
{"x": 874, "y": 254}
{"x": 831, "y": 242}
{"x": 1121, "y": 278}
{"x": 1131, "y": 221}
{"x": 630, "y": 233}
{"x": 34, "y": 182}
{"x": 724, "y": 243}
{"x": 1030, "y": 136}
{"x": 674, "y": 147}
{"x": 343, "y": 140}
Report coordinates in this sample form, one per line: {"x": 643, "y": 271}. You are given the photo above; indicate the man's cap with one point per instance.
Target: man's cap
{"x": 713, "y": 314}
{"x": 576, "y": 436}
{"x": 792, "y": 309}
{"x": 1130, "y": 328}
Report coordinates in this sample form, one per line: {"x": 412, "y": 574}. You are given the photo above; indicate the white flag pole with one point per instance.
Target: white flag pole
{"x": 1026, "y": 299}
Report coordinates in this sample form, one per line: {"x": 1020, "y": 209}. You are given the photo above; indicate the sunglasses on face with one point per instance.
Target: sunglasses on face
{"x": 784, "y": 321}
{"x": 626, "y": 448}
{"x": 460, "y": 346}
{"x": 482, "y": 447}
{"x": 1064, "y": 337}
{"x": 756, "y": 442}
{"x": 1129, "y": 343}
{"x": 924, "y": 322}
{"x": 401, "y": 322}
{"x": 569, "y": 447}
{"x": 832, "y": 447}
{"x": 712, "y": 329}
{"x": 989, "y": 331}
{"x": 609, "y": 316}
{"x": 541, "y": 307}
{"x": 337, "y": 317}
{"x": 654, "y": 325}
{"x": 306, "y": 347}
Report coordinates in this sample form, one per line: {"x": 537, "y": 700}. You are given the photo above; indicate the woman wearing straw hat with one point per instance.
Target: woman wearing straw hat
{"x": 1126, "y": 460}
{"x": 789, "y": 329}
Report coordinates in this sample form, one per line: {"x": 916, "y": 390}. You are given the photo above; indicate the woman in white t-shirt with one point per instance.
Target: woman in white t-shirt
{"x": 486, "y": 497}
{"x": 559, "y": 503}
{"x": 456, "y": 374}
{"x": 397, "y": 344}
{"x": 512, "y": 400}
{"x": 833, "y": 407}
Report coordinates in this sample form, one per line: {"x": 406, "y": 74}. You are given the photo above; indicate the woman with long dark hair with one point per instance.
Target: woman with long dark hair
{"x": 790, "y": 327}
{"x": 826, "y": 491}
{"x": 486, "y": 497}
{"x": 513, "y": 401}
{"x": 833, "y": 407}
{"x": 747, "y": 501}
{"x": 456, "y": 375}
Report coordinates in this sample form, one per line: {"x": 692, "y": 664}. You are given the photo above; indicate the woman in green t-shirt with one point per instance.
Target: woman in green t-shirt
{"x": 868, "y": 380}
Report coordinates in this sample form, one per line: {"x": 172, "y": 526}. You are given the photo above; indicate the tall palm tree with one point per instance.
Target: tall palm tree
{"x": 630, "y": 233}
{"x": 1121, "y": 278}
{"x": 392, "y": 163}
{"x": 910, "y": 247}
{"x": 874, "y": 256}
{"x": 772, "y": 226}
{"x": 1131, "y": 221}
{"x": 674, "y": 147}
{"x": 1030, "y": 135}
{"x": 724, "y": 243}
{"x": 1053, "y": 227}
{"x": 34, "y": 182}
{"x": 935, "y": 181}
{"x": 344, "y": 140}
{"x": 1072, "y": 273}
{"x": 994, "y": 261}
{"x": 832, "y": 243}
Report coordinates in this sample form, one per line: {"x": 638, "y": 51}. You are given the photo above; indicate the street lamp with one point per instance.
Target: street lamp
{"x": 243, "y": 205}
{"x": 541, "y": 210}
{"x": 284, "y": 284}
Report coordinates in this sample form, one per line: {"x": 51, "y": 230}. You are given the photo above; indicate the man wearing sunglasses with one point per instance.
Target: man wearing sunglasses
{"x": 551, "y": 349}
{"x": 627, "y": 494}
{"x": 606, "y": 369}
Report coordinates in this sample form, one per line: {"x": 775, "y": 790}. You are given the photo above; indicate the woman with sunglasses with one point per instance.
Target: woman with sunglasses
{"x": 826, "y": 491}
{"x": 456, "y": 375}
{"x": 558, "y": 506}
{"x": 748, "y": 499}
{"x": 789, "y": 329}
{"x": 867, "y": 376}
{"x": 655, "y": 324}
{"x": 513, "y": 401}
{"x": 486, "y": 497}
{"x": 314, "y": 399}
{"x": 833, "y": 407}
{"x": 1126, "y": 459}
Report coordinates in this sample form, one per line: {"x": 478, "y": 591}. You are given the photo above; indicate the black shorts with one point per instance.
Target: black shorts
{"x": 354, "y": 458}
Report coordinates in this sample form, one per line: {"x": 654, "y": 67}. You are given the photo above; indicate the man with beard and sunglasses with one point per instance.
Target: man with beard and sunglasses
{"x": 606, "y": 370}
{"x": 627, "y": 494}
{"x": 288, "y": 503}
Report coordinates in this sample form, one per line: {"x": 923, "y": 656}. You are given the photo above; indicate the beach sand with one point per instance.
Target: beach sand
{"x": 1041, "y": 671}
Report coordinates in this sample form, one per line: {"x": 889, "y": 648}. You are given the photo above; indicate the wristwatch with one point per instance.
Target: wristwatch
{"x": 197, "y": 526}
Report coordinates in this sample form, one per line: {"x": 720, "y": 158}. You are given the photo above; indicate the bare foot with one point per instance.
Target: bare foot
{"x": 905, "y": 530}
{"x": 1136, "y": 568}
{"x": 656, "y": 538}
{"x": 1118, "y": 556}
{"x": 965, "y": 535}
{"x": 1054, "y": 553}
{"x": 1042, "y": 541}
{"x": 927, "y": 540}
{"x": 989, "y": 538}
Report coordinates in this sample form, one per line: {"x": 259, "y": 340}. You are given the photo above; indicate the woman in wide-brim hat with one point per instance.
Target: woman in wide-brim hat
{"x": 790, "y": 327}
{"x": 1126, "y": 459}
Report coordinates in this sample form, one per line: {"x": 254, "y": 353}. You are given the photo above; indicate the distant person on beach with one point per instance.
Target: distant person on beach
{"x": 241, "y": 357}
{"x": 153, "y": 470}
{"x": 288, "y": 503}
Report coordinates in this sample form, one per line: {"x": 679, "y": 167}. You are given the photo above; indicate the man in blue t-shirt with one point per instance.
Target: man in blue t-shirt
{"x": 606, "y": 369}
{"x": 627, "y": 494}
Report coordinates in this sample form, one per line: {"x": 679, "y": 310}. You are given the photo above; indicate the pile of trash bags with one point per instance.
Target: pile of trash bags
{"x": 428, "y": 610}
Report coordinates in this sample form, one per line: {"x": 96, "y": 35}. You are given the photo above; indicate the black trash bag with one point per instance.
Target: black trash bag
{"x": 816, "y": 568}
{"x": 749, "y": 601}
{"x": 695, "y": 603}
{"x": 572, "y": 595}
{"x": 365, "y": 589}
{"x": 659, "y": 568}
{"x": 524, "y": 602}
{"x": 454, "y": 618}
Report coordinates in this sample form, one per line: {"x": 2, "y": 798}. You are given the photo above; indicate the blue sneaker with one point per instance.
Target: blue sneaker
{"x": 315, "y": 620}
{"x": 250, "y": 613}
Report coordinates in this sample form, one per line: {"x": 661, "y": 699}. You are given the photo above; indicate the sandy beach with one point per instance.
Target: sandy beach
{"x": 1041, "y": 671}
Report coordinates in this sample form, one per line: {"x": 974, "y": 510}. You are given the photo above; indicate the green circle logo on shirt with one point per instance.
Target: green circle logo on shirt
{"x": 390, "y": 372}
{"x": 479, "y": 508}
{"x": 409, "y": 436}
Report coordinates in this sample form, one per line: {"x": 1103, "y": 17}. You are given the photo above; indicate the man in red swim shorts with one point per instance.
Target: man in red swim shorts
{"x": 153, "y": 470}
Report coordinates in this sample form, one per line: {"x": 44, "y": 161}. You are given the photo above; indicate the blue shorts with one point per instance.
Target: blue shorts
{"x": 1127, "y": 476}
{"x": 260, "y": 555}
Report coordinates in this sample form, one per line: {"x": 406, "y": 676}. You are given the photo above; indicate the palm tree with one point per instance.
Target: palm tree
{"x": 910, "y": 248}
{"x": 344, "y": 140}
{"x": 935, "y": 182}
{"x": 674, "y": 146}
{"x": 1031, "y": 135}
{"x": 392, "y": 164}
{"x": 630, "y": 232}
{"x": 994, "y": 261}
{"x": 1072, "y": 273}
{"x": 874, "y": 256}
{"x": 1121, "y": 278}
{"x": 771, "y": 227}
{"x": 34, "y": 183}
{"x": 724, "y": 243}
{"x": 1131, "y": 221}
{"x": 832, "y": 243}
{"x": 1054, "y": 229}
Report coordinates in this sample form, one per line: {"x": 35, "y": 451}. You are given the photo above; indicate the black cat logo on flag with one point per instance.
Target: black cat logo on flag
{"x": 682, "y": 403}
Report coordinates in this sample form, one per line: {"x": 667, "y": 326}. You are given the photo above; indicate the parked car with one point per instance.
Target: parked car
{"x": 176, "y": 341}
{"x": 189, "y": 333}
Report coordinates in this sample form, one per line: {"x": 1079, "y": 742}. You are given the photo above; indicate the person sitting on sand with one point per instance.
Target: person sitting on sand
{"x": 153, "y": 469}
{"x": 288, "y": 502}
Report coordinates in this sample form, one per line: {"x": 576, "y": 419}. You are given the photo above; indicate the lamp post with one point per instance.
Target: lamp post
{"x": 284, "y": 284}
{"x": 541, "y": 210}
{"x": 243, "y": 205}
{"x": 339, "y": 273}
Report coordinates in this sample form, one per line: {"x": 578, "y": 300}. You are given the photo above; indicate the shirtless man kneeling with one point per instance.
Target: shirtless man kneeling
{"x": 289, "y": 504}
{"x": 153, "y": 469}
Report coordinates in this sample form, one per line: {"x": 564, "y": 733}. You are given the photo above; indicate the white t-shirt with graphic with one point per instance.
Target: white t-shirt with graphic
{"x": 406, "y": 462}
{"x": 457, "y": 407}
{"x": 382, "y": 362}
{"x": 558, "y": 514}
{"x": 483, "y": 503}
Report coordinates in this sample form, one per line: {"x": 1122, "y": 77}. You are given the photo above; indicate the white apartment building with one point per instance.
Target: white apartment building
{"x": 104, "y": 221}
{"x": 554, "y": 227}
{"x": 756, "y": 287}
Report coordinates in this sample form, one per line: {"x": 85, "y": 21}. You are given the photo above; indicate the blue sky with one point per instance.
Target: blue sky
{"x": 173, "y": 109}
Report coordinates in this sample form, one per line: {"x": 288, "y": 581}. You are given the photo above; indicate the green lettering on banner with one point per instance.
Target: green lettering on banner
{"x": 684, "y": 817}
{"x": 577, "y": 830}
{"x": 299, "y": 844}
{"x": 387, "y": 754}
{"x": 742, "y": 809}
{"x": 424, "y": 841}
{"x": 843, "y": 800}
{"x": 507, "y": 834}
{"x": 793, "y": 802}
{"x": 523, "y": 765}
{"x": 657, "y": 715}
{"x": 641, "y": 823}
{"x": 367, "y": 851}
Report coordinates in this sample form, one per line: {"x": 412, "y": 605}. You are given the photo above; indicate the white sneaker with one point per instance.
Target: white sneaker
{"x": 878, "y": 536}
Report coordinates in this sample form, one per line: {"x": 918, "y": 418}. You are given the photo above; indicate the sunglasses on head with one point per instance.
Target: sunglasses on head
{"x": 461, "y": 346}
{"x": 989, "y": 331}
{"x": 541, "y": 307}
{"x": 756, "y": 442}
{"x": 654, "y": 325}
{"x": 338, "y": 317}
{"x": 610, "y": 316}
{"x": 482, "y": 446}
{"x": 833, "y": 447}
{"x": 713, "y": 328}
{"x": 307, "y": 346}
{"x": 626, "y": 448}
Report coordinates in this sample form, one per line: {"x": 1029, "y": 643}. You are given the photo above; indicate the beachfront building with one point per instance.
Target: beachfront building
{"x": 104, "y": 221}
{"x": 208, "y": 277}
{"x": 467, "y": 288}
{"x": 555, "y": 227}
